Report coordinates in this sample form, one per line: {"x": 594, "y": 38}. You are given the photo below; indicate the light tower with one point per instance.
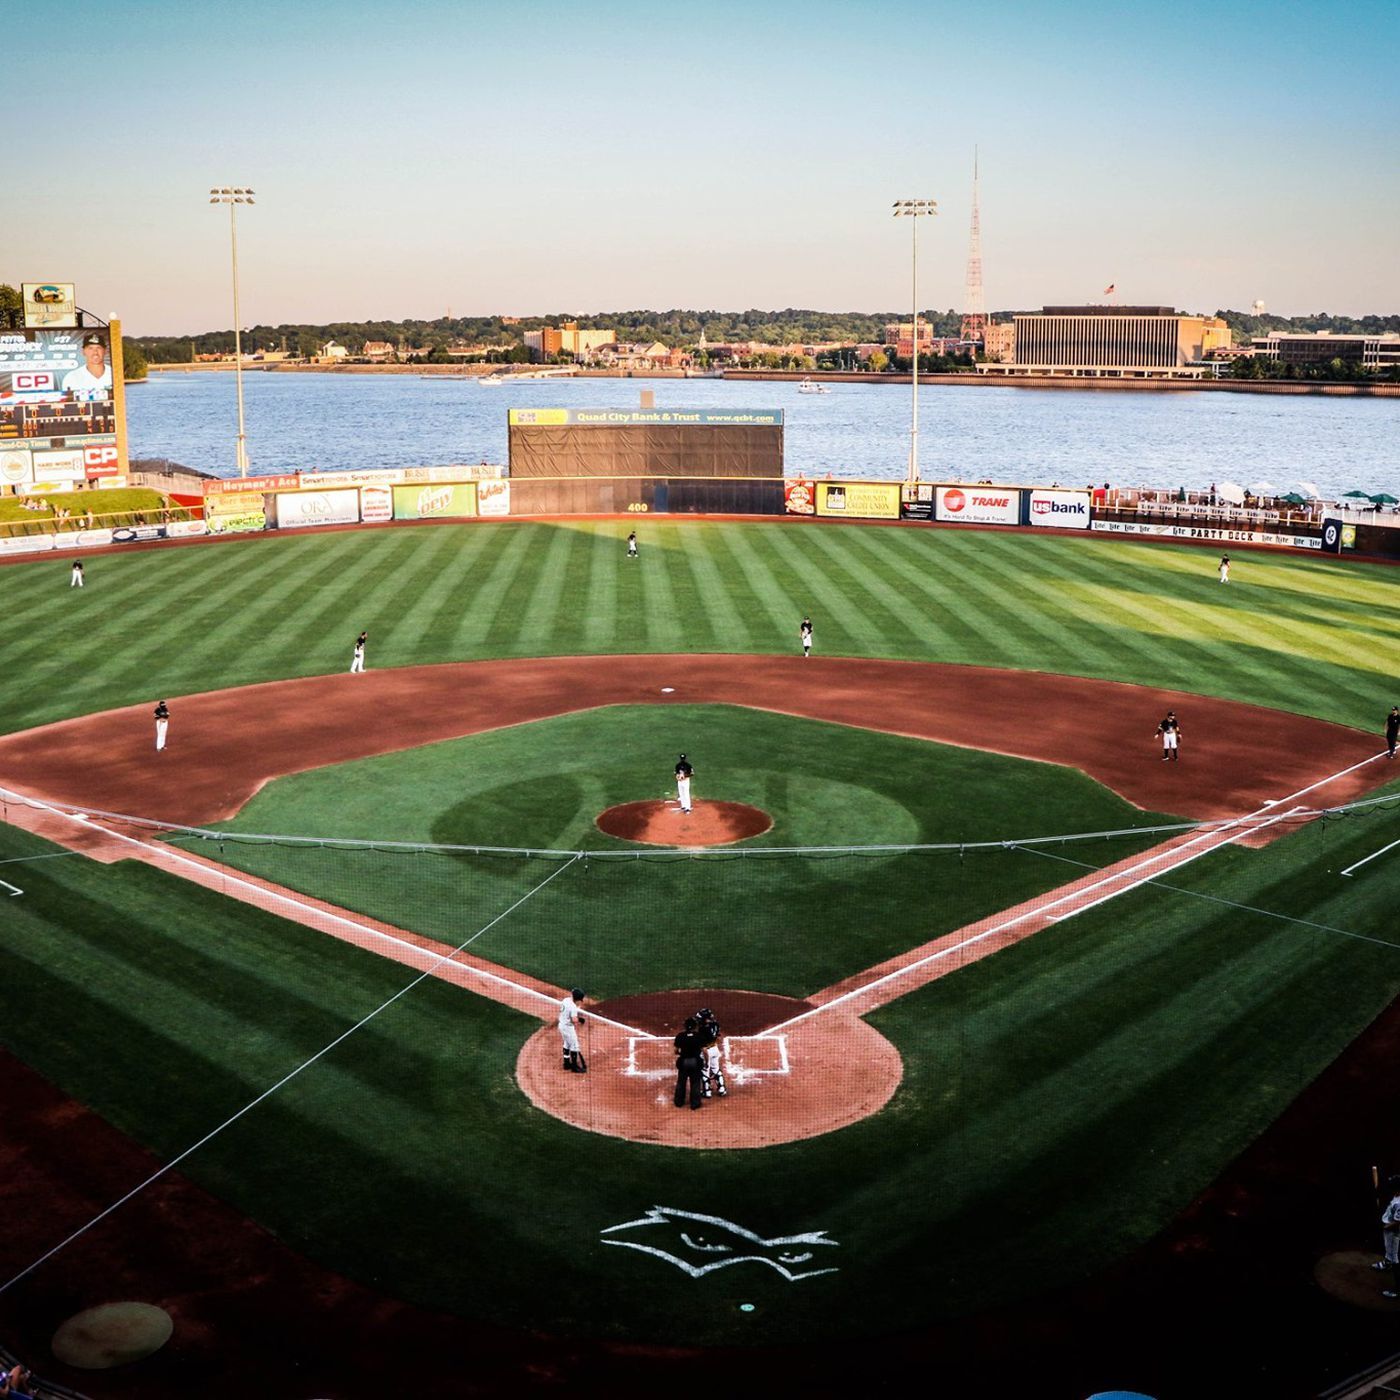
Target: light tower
{"x": 974, "y": 321}
{"x": 233, "y": 196}
{"x": 914, "y": 209}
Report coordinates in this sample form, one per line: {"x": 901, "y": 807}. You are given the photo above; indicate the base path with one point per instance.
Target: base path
{"x": 224, "y": 745}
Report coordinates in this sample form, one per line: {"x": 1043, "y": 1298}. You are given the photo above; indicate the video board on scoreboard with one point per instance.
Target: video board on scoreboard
{"x": 57, "y": 403}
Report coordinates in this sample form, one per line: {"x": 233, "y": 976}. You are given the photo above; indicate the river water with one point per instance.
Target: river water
{"x": 320, "y": 422}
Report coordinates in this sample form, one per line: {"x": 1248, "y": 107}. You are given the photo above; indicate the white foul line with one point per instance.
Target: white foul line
{"x": 171, "y": 853}
{"x": 1039, "y": 911}
{"x": 13, "y": 889}
{"x": 1349, "y": 868}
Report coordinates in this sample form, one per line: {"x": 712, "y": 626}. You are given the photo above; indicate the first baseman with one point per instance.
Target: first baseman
{"x": 570, "y": 1018}
{"x": 1170, "y": 730}
{"x": 357, "y": 661}
{"x": 162, "y": 724}
{"x": 684, "y": 773}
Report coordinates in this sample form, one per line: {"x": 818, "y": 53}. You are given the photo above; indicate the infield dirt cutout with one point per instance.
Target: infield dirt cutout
{"x": 786, "y": 1082}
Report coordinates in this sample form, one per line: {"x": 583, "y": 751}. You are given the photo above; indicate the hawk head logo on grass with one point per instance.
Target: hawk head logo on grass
{"x": 700, "y": 1244}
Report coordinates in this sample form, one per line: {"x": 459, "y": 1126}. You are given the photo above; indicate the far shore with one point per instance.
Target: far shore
{"x": 1001, "y": 381}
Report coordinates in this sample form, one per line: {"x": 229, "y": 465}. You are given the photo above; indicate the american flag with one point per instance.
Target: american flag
{"x": 1109, "y": 290}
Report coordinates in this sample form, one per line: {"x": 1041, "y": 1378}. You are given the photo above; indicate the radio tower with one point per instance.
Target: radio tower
{"x": 974, "y": 321}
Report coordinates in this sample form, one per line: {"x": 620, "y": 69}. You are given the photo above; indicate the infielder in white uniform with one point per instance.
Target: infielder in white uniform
{"x": 684, "y": 773}
{"x": 94, "y": 379}
{"x": 357, "y": 661}
{"x": 162, "y": 724}
{"x": 570, "y": 1018}
{"x": 805, "y": 633}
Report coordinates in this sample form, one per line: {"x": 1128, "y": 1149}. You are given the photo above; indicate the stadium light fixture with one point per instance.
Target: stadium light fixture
{"x": 915, "y": 209}
{"x": 234, "y": 195}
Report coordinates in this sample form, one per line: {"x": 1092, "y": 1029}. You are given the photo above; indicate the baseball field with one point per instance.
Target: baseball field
{"x": 1004, "y": 996}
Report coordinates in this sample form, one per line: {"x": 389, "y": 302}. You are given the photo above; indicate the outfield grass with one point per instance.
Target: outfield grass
{"x": 774, "y": 924}
{"x": 1315, "y": 636}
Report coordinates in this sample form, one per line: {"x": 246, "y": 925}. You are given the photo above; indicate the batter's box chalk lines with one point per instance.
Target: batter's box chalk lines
{"x": 740, "y": 1056}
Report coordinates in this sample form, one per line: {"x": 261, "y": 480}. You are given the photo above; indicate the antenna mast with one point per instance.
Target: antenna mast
{"x": 974, "y": 321}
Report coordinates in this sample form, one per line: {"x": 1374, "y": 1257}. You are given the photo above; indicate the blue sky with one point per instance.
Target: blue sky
{"x": 540, "y": 157}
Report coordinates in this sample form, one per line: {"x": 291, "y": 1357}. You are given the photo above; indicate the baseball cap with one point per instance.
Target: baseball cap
{"x": 93, "y": 340}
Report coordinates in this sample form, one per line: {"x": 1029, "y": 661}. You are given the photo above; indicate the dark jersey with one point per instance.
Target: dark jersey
{"x": 1169, "y": 725}
{"x": 684, "y": 770}
{"x": 709, "y": 1030}
{"x": 162, "y": 711}
{"x": 1392, "y": 725}
{"x": 689, "y": 1044}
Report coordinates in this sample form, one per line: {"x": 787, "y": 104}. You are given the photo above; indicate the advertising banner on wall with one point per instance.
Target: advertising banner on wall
{"x": 493, "y": 497}
{"x": 376, "y": 504}
{"x": 646, "y": 417}
{"x": 862, "y": 500}
{"x": 916, "y": 501}
{"x": 976, "y": 505}
{"x": 799, "y": 496}
{"x": 1064, "y": 510}
{"x": 449, "y": 500}
{"x": 16, "y": 466}
{"x": 64, "y": 466}
{"x": 236, "y": 512}
{"x": 298, "y": 509}
{"x": 1206, "y": 532}
{"x": 242, "y": 485}
{"x": 102, "y": 462}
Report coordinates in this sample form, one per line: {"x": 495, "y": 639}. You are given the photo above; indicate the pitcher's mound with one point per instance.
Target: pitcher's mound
{"x": 664, "y": 824}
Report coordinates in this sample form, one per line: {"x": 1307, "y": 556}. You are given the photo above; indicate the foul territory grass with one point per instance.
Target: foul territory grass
{"x": 1062, "y": 1099}
{"x": 1315, "y": 636}
{"x": 742, "y": 919}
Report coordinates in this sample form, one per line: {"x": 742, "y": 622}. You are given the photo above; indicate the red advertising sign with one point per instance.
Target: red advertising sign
{"x": 101, "y": 461}
{"x": 800, "y": 496}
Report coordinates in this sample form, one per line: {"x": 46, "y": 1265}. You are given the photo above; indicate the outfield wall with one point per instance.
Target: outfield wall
{"x": 299, "y": 501}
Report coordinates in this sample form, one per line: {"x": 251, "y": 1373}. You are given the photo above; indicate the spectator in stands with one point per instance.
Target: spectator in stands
{"x": 17, "y": 1383}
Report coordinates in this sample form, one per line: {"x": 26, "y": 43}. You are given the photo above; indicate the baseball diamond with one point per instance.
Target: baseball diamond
{"x": 991, "y": 980}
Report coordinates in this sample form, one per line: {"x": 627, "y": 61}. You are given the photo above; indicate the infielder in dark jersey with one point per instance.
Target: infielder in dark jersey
{"x": 1170, "y": 730}
{"x": 1392, "y": 730}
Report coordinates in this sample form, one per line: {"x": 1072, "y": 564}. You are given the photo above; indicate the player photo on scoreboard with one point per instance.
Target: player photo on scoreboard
{"x": 56, "y": 366}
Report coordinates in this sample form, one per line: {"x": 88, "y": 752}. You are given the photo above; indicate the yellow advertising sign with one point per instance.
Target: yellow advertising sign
{"x": 538, "y": 417}
{"x": 865, "y": 500}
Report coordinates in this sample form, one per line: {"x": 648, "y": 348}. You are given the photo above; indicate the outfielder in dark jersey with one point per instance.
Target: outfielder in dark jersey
{"x": 1392, "y": 730}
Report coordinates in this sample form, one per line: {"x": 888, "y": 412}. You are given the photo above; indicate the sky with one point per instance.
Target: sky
{"x": 531, "y": 158}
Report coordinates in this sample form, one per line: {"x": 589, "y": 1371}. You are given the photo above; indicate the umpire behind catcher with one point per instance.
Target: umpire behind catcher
{"x": 690, "y": 1049}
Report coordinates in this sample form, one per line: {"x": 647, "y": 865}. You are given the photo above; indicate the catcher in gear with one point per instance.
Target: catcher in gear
{"x": 711, "y": 1072}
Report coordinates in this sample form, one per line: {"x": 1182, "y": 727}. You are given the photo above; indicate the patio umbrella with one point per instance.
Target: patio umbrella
{"x": 1294, "y": 499}
{"x": 1231, "y": 491}
{"x": 1362, "y": 494}
{"x": 1261, "y": 488}
{"x": 1382, "y": 498}
{"x": 1308, "y": 488}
